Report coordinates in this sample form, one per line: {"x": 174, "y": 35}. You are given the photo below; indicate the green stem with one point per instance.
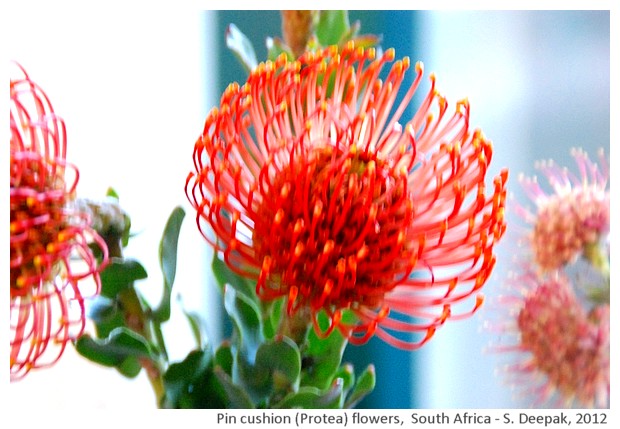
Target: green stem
{"x": 113, "y": 225}
{"x": 159, "y": 338}
{"x": 137, "y": 320}
{"x": 595, "y": 254}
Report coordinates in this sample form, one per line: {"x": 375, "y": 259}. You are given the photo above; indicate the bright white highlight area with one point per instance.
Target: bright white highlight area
{"x": 131, "y": 85}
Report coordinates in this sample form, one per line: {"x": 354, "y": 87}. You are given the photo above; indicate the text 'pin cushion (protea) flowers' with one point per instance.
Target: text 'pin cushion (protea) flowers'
{"x": 50, "y": 254}
{"x": 312, "y": 187}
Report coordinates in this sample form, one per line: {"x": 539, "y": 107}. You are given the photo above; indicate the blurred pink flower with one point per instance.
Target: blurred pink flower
{"x": 574, "y": 215}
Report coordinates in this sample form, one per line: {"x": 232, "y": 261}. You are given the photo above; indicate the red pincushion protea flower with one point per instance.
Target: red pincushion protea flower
{"x": 49, "y": 239}
{"x": 313, "y": 188}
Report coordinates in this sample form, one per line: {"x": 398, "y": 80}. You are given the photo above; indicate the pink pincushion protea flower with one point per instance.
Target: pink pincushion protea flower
{"x": 573, "y": 216}
{"x": 564, "y": 347}
{"x": 50, "y": 254}
{"x": 313, "y": 188}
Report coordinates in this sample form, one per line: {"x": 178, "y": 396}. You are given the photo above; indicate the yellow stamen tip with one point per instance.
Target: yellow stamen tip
{"x": 299, "y": 248}
{"x": 277, "y": 219}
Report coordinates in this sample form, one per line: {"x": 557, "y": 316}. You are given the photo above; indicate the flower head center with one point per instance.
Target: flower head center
{"x": 567, "y": 223}
{"x": 327, "y": 224}
{"x": 38, "y": 222}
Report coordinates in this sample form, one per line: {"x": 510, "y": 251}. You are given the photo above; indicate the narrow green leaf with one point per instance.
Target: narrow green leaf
{"x": 168, "y": 260}
{"x": 224, "y": 357}
{"x": 245, "y": 315}
{"x": 241, "y": 46}
{"x": 127, "y": 232}
{"x": 332, "y": 26}
{"x": 121, "y": 344}
{"x": 361, "y": 41}
{"x": 236, "y": 397}
{"x": 119, "y": 275}
{"x": 225, "y": 276}
{"x": 365, "y": 384}
{"x": 197, "y": 326}
{"x": 275, "y": 47}
{"x": 347, "y": 375}
{"x": 111, "y": 192}
{"x": 272, "y": 313}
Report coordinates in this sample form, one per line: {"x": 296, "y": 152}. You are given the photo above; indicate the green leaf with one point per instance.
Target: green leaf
{"x": 362, "y": 41}
{"x": 225, "y": 276}
{"x": 168, "y": 261}
{"x": 309, "y": 397}
{"x": 224, "y": 357}
{"x": 197, "y": 326}
{"x": 130, "y": 367}
{"x": 111, "y": 192}
{"x": 245, "y": 315}
{"x": 105, "y": 326}
{"x": 127, "y": 232}
{"x": 278, "y": 363}
{"x": 323, "y": 356}
{"x": 121, "y": 345}
{"x": 192, "y": 384}
{"x": 275, "y": 47}
{"x": 332, "y": 26}
{"x": 365, "y": 385}
{"x": 241, "y": 46}
{"x": 236, "y": 397}
{"x": 347, "y": 375}
{"x": 272, "y": 313}
{"x": 119, "y": 275}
